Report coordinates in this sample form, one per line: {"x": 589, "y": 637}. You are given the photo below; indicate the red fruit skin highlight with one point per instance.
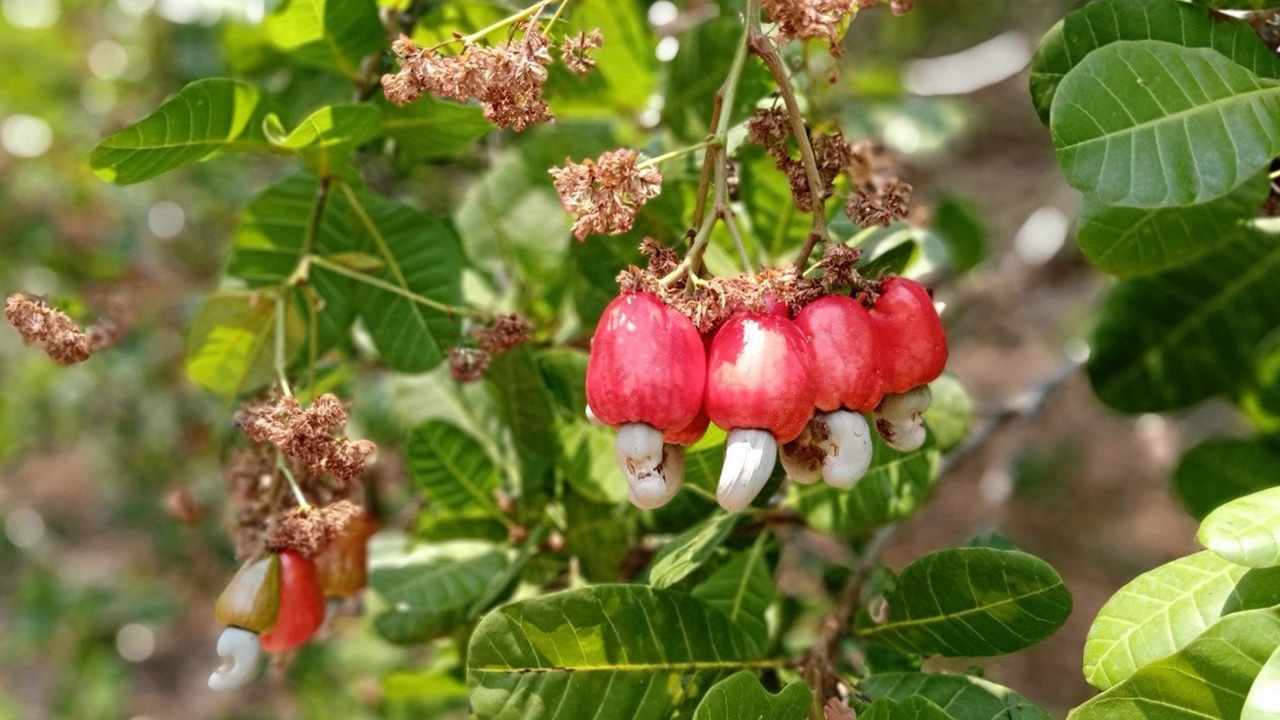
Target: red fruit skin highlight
{"x": 301, "y": 604}
{"x": 647, "y": 365}
{"x": 912, "y": 345}
{"x": 845, "y": 353}
{"x": 760, "y": 375}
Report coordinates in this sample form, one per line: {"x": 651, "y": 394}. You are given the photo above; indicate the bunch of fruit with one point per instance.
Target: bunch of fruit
{"x": 801, "y": 384}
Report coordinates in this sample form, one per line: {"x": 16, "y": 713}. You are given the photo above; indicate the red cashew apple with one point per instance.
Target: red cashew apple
{"x": 760, "y": 387}
{"x": 646, "y": 377}
{"x": 301, "y": 604}
{"x": 912, "y": 345}
{"x": 844, "y": 351}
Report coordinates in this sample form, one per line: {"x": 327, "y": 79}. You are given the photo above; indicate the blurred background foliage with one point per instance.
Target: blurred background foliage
{"x": 105, "y": 592}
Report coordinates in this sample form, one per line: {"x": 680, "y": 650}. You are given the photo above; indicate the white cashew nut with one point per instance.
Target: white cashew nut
{"x": 239, "y": 650}
{"x": 749, "y": 456}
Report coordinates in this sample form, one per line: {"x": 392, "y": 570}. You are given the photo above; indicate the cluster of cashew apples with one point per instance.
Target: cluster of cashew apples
{"x": 277, "y": 602}
{"x": 796, "y": 387}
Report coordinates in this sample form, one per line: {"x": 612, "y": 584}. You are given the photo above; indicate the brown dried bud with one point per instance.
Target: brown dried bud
{"x": 468, "y": 364}
{"x": 48, "y": 329}
{"x": 573, "y": 50}
{"x": 809, "y": 19}
{"x": 310, "y": 530}
{"x": 507, "y": 332}
{"x": 606, "y": 194}
{"x": 304, "y": 435}
{"x": 881, "y": 206}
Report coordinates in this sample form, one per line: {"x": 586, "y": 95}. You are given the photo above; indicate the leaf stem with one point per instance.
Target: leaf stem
{"x": 525, "y": 14}
{"x": 280, "y": 361}
{"x": 650, "y": 162}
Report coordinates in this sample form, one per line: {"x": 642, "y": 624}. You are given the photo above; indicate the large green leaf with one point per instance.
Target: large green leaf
{"x": 697, "y": 72}
{"x": 433, "y": 129}
{"x": 635, "y": 649}
{"x": 1208, "y": 679}
{"x": 1239, "y": 4}
{"x": 423, "y": 257}
{"x": 428, "y": 591}
{"x": 204, "y": 118}
{"x": 453, "y": 468}
{"x": 1153, "y": 124}
{"x": 1136, "y": 241}
{"x": 1247, "y": 529}
{"x": 741, "y": 697}
{"x": 231, "y": 342}
{"x": 1161, "y": 611}
{"x": 1263, "y": 700}
{"x": 964, "y": 697}
{"x": 1223, "y": 469}
{"x": 330, "y": 34}
{"x": 971, "y": 602}
{"x": 626, "y": 64}
{"x": 1102, "y": 23}
{"x": 521, "y": 395}
{"x": 1184, "y": 335}
{"x": 949, "y": 413}
{"x": 689, "y": 550}
{"x": 912, "y": 708}
{"x": 895, "y": 485}
{"x": 743, "y": 590}
{"x": 270, "y": 241}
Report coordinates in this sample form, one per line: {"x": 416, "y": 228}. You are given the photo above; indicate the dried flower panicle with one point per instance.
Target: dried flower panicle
{"x": 467, "y": 364}
{"x": 250, "y": 477}
{"x": 607, "y": 193}
{"x": 506, "y": 332}
{"x": 310, "y": 530}
{"x": 305, "y": 436}
{"x": 837, "y": 265}
{"x": 58, "y": 336}
{"x": 810, "y": 19}
{"x": 574, "y": 49}
{"x": 897, "y": 7}
{"x": 662, "y": 260}
{"x": 879, "y": 196}
{"x": 506, "y": 78}
{"x": 770, "y": 129}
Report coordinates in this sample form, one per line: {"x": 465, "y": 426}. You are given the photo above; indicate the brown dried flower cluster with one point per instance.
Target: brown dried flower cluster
{"x": 718, "y": 298}
{"x": 573, "y": 50}
{"x": 309, "y": 530}
{"x": 250, "y": 477}
{"x": 837, "y": 265}
{"x": 506, "y": 78}
{"x": 769, "y": 128}
{"x": 305, "y": 436}
{"x": 605, "y": 194}
{"x": 810, "y": 19}
{"x": 897, "y": 7}
{"x": 467, "y": 364}
{"x": 57, "y": 335}
{"x": 879, "y": 196}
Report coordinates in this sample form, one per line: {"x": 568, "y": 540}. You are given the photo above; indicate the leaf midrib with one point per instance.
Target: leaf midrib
{"x": 898, "y": 624}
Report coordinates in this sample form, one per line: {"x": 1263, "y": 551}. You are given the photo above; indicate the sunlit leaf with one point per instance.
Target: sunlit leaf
{"x": 971, "y": 602}
{"x": 330, "y": 34}
{"x": 330, "y": 130}
{"x": 743, "y": 590}
{"x": 428, "y": 591}
{"x": 741, "y": 697}
{"x": 1263, "y": 700}
{"x": 895, "y": 485}
{"x": 689, "y": 550}
{"x": 1247, "y": 529}
{"x": 963, "y": 697}
{"x": 949, "y": 413}
{"x": 231, "y": 342}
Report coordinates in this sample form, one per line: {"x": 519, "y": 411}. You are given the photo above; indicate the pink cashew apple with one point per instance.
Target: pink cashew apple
{"x": 912, "y": 345}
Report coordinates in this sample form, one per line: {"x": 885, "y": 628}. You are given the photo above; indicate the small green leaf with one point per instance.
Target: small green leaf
{"x": 1153, "y": 124}
{"x": 426, "y": 592}
{"x": 231, "y": 342}
{"x": 963, "y": 697}
{"x": 330, "y": 129}
{"x": 1263, "y": 701}
{"x": 740, "y": 697}
{"x": 599, "y": 535}
{"x": 604, "y": 646}
{"x": 329, "y": 34}
{"x": 1247, "y": 529}
{"x": 1161, "y": 611}
{"x": 950, "y": 412}
{"x": 695, "y": 74}
{"x": 204, "y": 118}
{"x": 971, "y": 602}
{"x": 1102, "y": 23}
{"x": 743, "y": 590}
{"x": 912, "y": 708}
{"x": 895, "y": 485}
{"x": 960, "y": 226}
{"x": 453, "y": 468}
{"x": 689, "y": 550}
{"x": 433, "y": 129}
{"x": 1137, "y": 241}
{"x": 516, "y": 386}
{"x": 432, "y": 694}
{"x": 1209, "y": 678}
{"x": 1176, "y": 338}
{"x": 1220, "y": 470}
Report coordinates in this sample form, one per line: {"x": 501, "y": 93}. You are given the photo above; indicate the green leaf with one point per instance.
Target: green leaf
{"x": 330, "y": 130}
{"x": 432, "y": 694}
{"x": 689, "y": 550}
{"x": 426, "y": 592}
{"x": 1102, "y": 23}
{"x": 453, "y": 468}
{"x": 1209, "y": 678}
{"x": 1239, "y": 4}
{"x": 1263, "y": 701}
{"x": 1184, "y": 335}
{"x": 566, "y": 655}
{"x": 743, "y": 590}
{"x": 268, "y": 248}
{"x": 963, "y": 697}
{"x": 423, "y": 257}
{"x": 329, "y": 34}
{"x": 517, "y": 388}
{"x": 204, "y": 118}
{"x": 1220, "y": 470}
{"x": 950, "y": 412}
{"x": 599, "y": 535}
{"x": 1153, "y": 124}
{"x": 895, "y": 485}
{"x": 771, "y": 215}
{"x": 1136, "y": 241}
{"x": 1246, "y": 530}
{"x": 696, "y": 73}
{"x": 960, "y": 226}
{"x": 741, "y": 697}
{"x": 912, "y": 708}
{"x": 433, "y": 129}
{"x": 1161, "y": 611}
{"x": 971, "y": 602}
{"x": 231, "y": 342}
{"x": 626, "y": 64}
